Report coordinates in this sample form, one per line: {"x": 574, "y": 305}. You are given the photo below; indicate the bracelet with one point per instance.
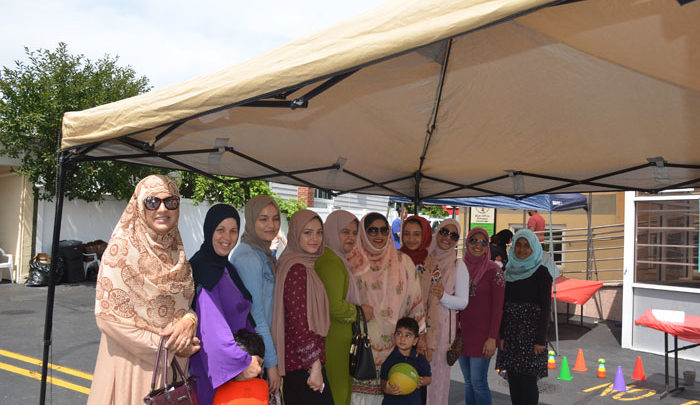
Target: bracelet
{"x": 192, "y": 317}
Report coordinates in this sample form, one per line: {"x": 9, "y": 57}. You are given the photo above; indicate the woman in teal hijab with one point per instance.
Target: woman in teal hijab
{"x": 522, "y": 348}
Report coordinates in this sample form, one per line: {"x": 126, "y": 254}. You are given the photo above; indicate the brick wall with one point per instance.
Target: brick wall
{"x": 305, "y": 195}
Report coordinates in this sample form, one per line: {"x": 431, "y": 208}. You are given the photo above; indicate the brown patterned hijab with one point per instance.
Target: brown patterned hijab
{"x": 145, "y": 279}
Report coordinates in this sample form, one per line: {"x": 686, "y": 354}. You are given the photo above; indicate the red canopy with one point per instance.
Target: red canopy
{"x": 576, "y": 291}
{"x": 688, "y": 330}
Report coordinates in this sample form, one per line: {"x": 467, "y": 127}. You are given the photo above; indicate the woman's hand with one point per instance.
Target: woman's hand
{"x": 437, "y": 289}
{"x": 539, "y": 349}
{"x": 369, "y": 312}
{"x": 193, "y": 348}
{"x": 429, "y": 355}
{"x": 252, "y": 371}
{"x": 500, "y": 344}
{"x": 489, "y": 348}
{"x": 315, "y": 380}
{"x": 273, "y": 379}
{"x": 179, "y": 335}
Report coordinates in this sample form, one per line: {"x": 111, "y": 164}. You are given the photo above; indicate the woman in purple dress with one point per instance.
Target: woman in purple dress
{"x": 222, "y": 304}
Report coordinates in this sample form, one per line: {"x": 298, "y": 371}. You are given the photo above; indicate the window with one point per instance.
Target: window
{"x": 322, "y": 194}
{"x": 667, "y": 242}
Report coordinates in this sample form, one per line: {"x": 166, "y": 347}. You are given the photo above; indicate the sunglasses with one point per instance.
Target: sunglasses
{"x": 374, "y": 231}
{"x": 475, "y": 241}
{"x": 153, "y": 203}
{"x": 453, "y": 235}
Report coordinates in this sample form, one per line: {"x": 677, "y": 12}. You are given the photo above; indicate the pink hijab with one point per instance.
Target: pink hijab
{"x": 446, "y": 258}
{"x": 335, "y": 222}
{"x": 317, "y": 313}
{"x": 478, "y": 266}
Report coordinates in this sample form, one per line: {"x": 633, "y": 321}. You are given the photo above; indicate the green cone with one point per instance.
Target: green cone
{"x": 565, "y": 373}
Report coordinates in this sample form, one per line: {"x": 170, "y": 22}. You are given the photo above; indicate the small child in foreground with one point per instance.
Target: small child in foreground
{"x": 405, "y": 340}
{"x": 248, "y": 392}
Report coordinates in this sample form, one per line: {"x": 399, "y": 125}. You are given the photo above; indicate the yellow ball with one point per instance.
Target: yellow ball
{"x": 404, "y": 376}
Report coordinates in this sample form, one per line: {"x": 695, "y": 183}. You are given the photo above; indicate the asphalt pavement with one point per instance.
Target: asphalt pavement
{"x": 75, "y": 340}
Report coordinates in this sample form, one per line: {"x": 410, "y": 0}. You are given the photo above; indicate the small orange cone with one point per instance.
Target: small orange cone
{"x": 639, "y": 370}
{"x": 580, "y": 362}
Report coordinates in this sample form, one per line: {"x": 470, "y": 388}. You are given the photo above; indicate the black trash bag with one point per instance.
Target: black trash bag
{"x": 39, "y": 273}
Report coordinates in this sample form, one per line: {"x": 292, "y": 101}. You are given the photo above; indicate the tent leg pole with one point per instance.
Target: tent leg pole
{"x": 48, "y": 323}
{"x": 554, "y": 283}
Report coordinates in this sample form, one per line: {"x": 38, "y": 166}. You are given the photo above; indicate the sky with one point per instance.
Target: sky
{"x": 166, "y": 41}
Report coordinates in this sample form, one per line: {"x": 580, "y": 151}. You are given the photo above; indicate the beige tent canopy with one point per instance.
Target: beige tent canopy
{"x": 438, "y": 99}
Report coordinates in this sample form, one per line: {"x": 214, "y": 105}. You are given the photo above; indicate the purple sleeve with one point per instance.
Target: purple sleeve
{"x": 498, "y": 290}
{"x": 222, "y": 359}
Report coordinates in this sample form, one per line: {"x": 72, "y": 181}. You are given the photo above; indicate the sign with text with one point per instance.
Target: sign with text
{"x": 483, "y": 217}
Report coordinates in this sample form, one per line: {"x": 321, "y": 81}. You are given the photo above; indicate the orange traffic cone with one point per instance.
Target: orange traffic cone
{"x": 639, "y": 370}
{"x": 580, "y": 362}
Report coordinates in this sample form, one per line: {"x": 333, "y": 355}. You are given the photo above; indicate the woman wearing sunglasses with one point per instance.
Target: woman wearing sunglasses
{"x": 301, "y": 319}
{"x": 522, "y": 349}
{"x": 481, "y": 318}
{"x": 144, "y": 291}
{"x": 388, "y": 282}
{"x": 450, "y": 289}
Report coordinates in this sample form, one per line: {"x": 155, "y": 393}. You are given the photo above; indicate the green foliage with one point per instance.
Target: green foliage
{"x": 33, "y": 97}
{"x": 432, "y": 211}
{"x": 201, "y": 188}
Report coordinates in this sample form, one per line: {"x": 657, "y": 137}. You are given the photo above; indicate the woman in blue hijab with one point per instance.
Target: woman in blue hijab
{"x": 522, "y": 347}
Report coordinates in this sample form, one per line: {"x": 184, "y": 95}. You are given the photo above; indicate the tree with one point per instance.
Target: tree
{"x": 33, "y": 97}
{"x": 200, "y": 188}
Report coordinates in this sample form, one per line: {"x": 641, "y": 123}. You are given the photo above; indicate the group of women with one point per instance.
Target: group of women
{"x": 304, "y": 303}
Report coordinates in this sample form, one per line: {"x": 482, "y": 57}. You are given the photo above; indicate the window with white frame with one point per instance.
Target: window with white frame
{"x": 667, "y": 242}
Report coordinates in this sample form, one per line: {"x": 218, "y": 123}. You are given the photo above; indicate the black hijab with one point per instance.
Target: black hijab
{"x": 207, "y": 265}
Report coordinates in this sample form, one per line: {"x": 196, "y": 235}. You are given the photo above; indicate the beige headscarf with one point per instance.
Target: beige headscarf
{"x": 145, "y": 279}
{"x": 317, "y": 313}
{"x": 335, "y": 222}
{"x": 252, "y": 210}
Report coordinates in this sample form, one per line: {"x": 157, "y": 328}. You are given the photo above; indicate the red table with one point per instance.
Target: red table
{"x": 575, "y": 291}
{"x": 688, "y": 330}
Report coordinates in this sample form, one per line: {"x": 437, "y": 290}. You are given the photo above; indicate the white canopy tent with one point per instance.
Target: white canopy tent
{"x": 433, "y": 98}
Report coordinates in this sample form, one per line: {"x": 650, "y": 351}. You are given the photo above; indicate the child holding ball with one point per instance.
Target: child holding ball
{"x": 400, "y": 384}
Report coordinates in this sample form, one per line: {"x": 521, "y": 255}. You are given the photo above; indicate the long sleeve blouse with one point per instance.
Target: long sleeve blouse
{"x": 481, "y": 319}
{"x": 460, "y": 298}
{"x": 302, "y": 347}
{"x": 536, "y": 289}
{"x": 256, "y": 273}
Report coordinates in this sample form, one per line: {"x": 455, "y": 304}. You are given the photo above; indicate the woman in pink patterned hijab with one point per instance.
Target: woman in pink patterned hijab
{"x": 144, "y": 291}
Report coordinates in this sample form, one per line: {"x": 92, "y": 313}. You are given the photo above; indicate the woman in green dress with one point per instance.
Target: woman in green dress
{"x": 340, "y": 232}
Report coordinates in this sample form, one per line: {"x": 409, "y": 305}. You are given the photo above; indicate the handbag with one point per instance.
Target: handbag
{"x": 180, "y": 392}
{"x": 455, "y": 349}
{"x": 361, "y": 359}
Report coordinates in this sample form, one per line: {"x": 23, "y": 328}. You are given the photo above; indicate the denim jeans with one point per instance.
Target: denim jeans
{"x": 476, "y": 386}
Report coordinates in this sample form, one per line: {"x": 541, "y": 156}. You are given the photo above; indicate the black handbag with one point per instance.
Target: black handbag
{"x": 180, "y": 392}
{"x": 361, "y": 359}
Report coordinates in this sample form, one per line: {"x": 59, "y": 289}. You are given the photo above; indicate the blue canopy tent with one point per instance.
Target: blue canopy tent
{"x": 542, "y": 202}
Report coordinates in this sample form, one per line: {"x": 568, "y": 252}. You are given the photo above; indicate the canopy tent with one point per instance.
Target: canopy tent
{"x": 433, "y": 98}
{"x": 544, "y": 202}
